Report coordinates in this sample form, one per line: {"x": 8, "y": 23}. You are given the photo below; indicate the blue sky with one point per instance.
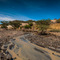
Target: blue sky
{"x": 29, "y": 9}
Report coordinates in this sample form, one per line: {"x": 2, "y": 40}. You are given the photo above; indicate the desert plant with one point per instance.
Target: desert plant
{"x": 27, "y": 26}
{"x": 29, "y": 21}
{"x": 15, "y": 24}
{"x": 58, "y": 21}
{"x": 4, "y": 24}
{"x": 31, "y": 24}
{"x": 43, "y": 25}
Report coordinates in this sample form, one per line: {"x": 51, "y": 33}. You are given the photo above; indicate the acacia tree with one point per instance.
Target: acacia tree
{"x": 43, "y": 25}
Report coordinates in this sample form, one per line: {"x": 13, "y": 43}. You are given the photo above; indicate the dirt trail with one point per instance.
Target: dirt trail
{"x": 24, "y": 50}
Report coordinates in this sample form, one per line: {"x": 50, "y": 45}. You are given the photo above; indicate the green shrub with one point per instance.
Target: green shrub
{"x": 27, "y": 26}
{"x": 43, "y": 25}
{"x": 4, "y": 24}
{"x": 58, "y": 21}
{"x": 15, "y": 24}
{"x": 21, "y": 27}
{"x": 29, "y": 21}
{"x": 43, "y": 22}
{"x": 31, "y": 24}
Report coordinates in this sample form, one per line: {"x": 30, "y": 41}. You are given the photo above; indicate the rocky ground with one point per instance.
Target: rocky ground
{"x": 5, "y": 36}
{"x": 50, "y": 41}
{"x": 23, "y": 49}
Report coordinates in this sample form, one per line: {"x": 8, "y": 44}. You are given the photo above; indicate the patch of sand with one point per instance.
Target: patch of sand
{"x": 24, "y": 50}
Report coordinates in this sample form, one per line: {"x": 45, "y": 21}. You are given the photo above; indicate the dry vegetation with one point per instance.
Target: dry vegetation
{"x": 55, "y": 26}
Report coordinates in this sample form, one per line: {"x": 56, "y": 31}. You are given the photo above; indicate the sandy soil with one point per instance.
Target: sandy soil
{"x": 24, "y": 50}
{"x": 51, "y": 41}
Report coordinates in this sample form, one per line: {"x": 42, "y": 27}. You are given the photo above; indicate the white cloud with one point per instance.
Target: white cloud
{"x": 11, "y": 18}
{"x": 6, "y": 18}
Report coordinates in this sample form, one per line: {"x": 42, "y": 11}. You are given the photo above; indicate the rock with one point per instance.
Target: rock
{"x": 11, "y": 46}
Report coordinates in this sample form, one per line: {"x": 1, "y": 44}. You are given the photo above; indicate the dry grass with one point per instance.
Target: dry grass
{"x": 55, "y": 26}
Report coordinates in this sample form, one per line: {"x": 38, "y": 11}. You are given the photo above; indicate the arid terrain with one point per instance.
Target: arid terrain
{"x": 29, "y": 29}
{"x": 51, "y": 41}
{"x": 5, "y": 36}
{"x": 19, "y": 45}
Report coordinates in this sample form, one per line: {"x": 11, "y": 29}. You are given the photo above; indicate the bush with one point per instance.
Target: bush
{"x": 43, "y": 25}
{"x": 30, "y": 21}
{"x": 21, "y": 27}
{"x": 4, "y": 24}
{"x": 43, "y": 22}
{"x": 31, "y": 24}
{"x": 15, "y": 24}
{"x": 58, "y": 21}
{"x": 27, "y": 26}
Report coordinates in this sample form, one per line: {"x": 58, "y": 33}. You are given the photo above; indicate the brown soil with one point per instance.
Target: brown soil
{"x": 50, "y": 41}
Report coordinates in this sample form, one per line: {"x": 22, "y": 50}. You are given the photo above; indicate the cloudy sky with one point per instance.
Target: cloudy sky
{"x": 29, "y": 9}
